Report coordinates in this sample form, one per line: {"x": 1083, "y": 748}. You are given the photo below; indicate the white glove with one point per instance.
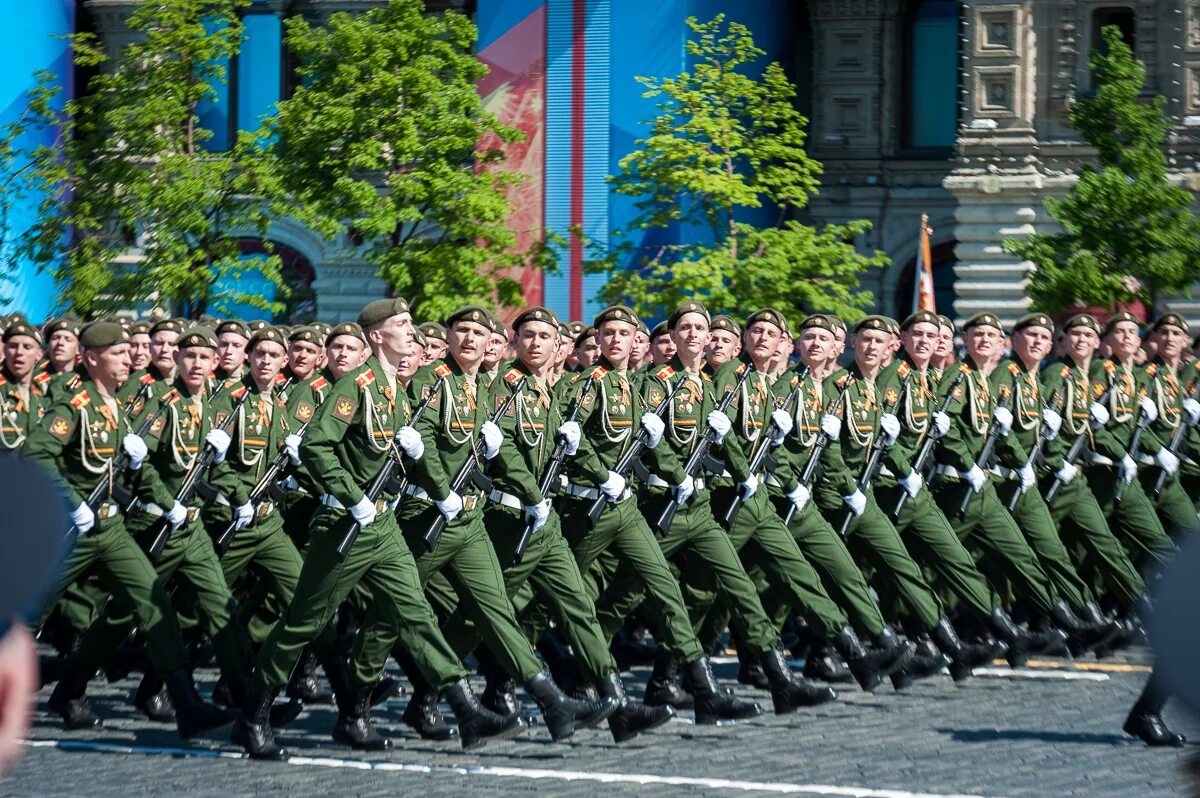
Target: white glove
{"x": 1098, "y": 414}
{"x": 244, "y": 514}
{"x": 450, "y": 506}
{"x": 941, "y": 425}
{"x": 410, "y": 443}
{"x": 975, "y": 478}
{"x": 136, "y": 450}
{"x": 219, "y": 440}
{"x": 291, "y": 445}
{"x": 1149, "y": 409}
{"x": 1004, "y": 420}
{"x": 783, "y": 425}
{"x": 912, "y": 484}
{"x": 799, "y": 497}
{"x": 569, "y": 431}
{"x": 1167, "y": 461}
{"x": 1051, "y": 423}
{"x": 890, "y": 426}
{"x": 684, "y": 490}
{"x": 749, "y": 486}
{"x": 1127, "y": 468}
{"x": 83, "y": 518}
{"x": 492, "y": 438}
{"x": 720, "y": 424}
{"x": 176, "y": 516}
{"x": 538, "y": 513}
{"x": 289, "y": 483}
{"x": 1028, "y": 478}
{"x": 856, "y": 501}
{"x": 654, "y": 429}
{"x": 614, "y": 486}
{"x": 364, "y": 512}
{"x": 1067, "y": 473}
{"x": 1192, "y": 408}
{"x": 831, "y": 425}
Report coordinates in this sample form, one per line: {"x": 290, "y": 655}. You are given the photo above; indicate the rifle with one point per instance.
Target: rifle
{"x": 822, "y": 443}
{"x": 696, "y": 459}
{"x": 1134, "y": 443}
{"x": 989, "y": 445}
{"x": 554, "y": 467}
{"x": 625, "y": 463}
{"x": 1036, "y": 455}
{"x": 759, "y": 456}
{"x": 142, "y": 392}
{"x": 1177, "y": 439}
{"x": 928, "y": 441}
{"x": 1076, "y": 449}
{"x": 104, "y": 487}
{"x": 871, "y": 468}
{"x": 467, "y": 472}
{"x": 389, "y": 467}
{"x": 191, "y": 480}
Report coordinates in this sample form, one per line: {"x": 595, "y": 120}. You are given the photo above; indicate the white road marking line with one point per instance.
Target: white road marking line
{"x": 1027, "y": 673}
{"x": 490, "y": 770}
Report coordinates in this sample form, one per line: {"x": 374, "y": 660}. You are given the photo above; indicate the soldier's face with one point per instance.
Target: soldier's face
{"x": 163, "y": 349}
{"x": 468, "y": 342}
{"x": 762, "y": 342}
{"x": 393, "y": 335}
{"x": 565, "y": 347}
{"x": 435, "y": 349}
{"x": 839, "y": 343}
{"x": 231, "y": 352}
{"x": 815, "y": 345}
{"x": 920, "y": 342}
{"x": 1082, "y": 342}
{"x": 345, "y": 354}
{"x": 588, "y": 352}
{"x": 783, "y": 351}
{"x": 723, "y": 346}
{"x": 1123, "y": 339}
{"x": 691, "y": 335}
{"x": 537, "y": 343}
{"x": 195, "y": 364}
{"x": 303, "y": 357}
{"x": 945, "y": 342}
{"x": 266, "y": 361}
{"x": 139, "y": 351}
{"x": 410, "y": 361}
{"x": 1171, "y": 341}
{"x": 21, "y": 354}
{"x": 662, "y": 349}
{"x": 1033, "y": 344}
{"x": 494, "y": 351}
{"x": 63, "y": 347}
{"x": 983, "y": 343}
{"x": 641, "y": 345}
{"x": 617, "y": 339}
{"x": 870, "y": 347}
{"x": 109, "y": 364}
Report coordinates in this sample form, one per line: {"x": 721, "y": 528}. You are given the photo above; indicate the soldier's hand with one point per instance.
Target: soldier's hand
{"x": 720, "y": 425}
{"x": 1098, "y": 413}
{"x": 136, "y": 449}
{"x": 364, "y": 512}
{"x": 1067, "y": 473}
{"x": 1149, "y": 409}
{"x": 831, "y": 425}
{"x": 1051, "y": 423}
{"x": 890, "y": 426}
{"x": 1192, "y": 408}
{"x": 975, "y": 478}
{"x": 243, "y": 514}
{"x": 912, "y": 484}
{"x": 614, "y": 486}
{"x": 1166, "y": 460}
{"x": 571, "y": 435}
{"x": 538, "y": 513}
{"x": 856, "y": 501}
{"x": 219, "y": 440}
{"x": 941, "y": 425}
{"x": 176, "y": 516}
{"x": 654, "y": 430}
{"x": 83, "y": 518}
{"x": 782, "y": 420}
{"x": 492, "y": 438}
{"x": 450, "y": 506}
{"x": 291, "y": 445}
{"x": 411, "y": 443}
{"x": 799, "y": 496}
{"x": 684, "y": 490}
{"x": 1128, "y": 469}
{"x": 1028, "y": 478}
{"x": 1004, "y": 420}
{"x": 749, "y": 486}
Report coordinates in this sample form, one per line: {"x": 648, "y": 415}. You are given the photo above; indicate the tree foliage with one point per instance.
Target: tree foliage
{"x": 725, "y": 142}
{"x": 1128, "y": 233}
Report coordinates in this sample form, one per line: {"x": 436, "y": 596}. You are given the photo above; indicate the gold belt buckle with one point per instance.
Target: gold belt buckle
{"x": 380, "y": 505}
{"x": 469, "y": 502}
{"x": 192, "y": 512}
{"x": 107, "y": 511}
{"x": 264, "y": 509}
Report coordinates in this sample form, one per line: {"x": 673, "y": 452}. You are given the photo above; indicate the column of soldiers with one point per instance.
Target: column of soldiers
{"x": 321, "y": 498}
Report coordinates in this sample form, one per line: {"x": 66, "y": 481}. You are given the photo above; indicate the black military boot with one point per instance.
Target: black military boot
{"x": 926, "y": 661}
{"x": 1145, "y": 719}
{"x": 477, "y": 725}
{"x": 711, "y": 702}
{"x": 387, "y": 689}
{"x": 663, "y": 688}
{"x": 240, "y": 694}
{"x": 964, "y": 657}
{"x": 631, "y": 718}
{"x": 193, "y": 716}
{"x": 789, "y": 692}
{"x": 304, "y": 684}
{"x": 869, "y": 666}
{"x": 353, "y": 726}
{"x": 1022, "y": 644}
{"x": 252, "y": 731}
{"x": 824, "y": 664}
{"x": 500, "y": 695}
{"x": 423, "y": 716}
{"x": 1105, "y": 633}
{"x": 750, "y": 673}
{"x": 151, "y": 698}
{"x": 562, "y": 713}
{"x": 68, "y": 698}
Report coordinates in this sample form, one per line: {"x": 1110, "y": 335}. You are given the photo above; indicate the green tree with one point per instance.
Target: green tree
{"x": 387, "y": 135}
{"x": 723, "y": 143}
{"x": 1128, "y": 232}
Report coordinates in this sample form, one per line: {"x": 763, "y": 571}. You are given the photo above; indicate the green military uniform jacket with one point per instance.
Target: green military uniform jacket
{"x": 970, "y": 411}
{"x": 21, "y": 412}
{"x": 175, "y": 439}
{"x": 256, "y": 437}
{"x": 158, "y": 386}
{"x": 1078, "y": 390}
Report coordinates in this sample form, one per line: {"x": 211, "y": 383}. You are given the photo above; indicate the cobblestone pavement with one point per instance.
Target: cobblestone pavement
{"x": 1053, "y": 729}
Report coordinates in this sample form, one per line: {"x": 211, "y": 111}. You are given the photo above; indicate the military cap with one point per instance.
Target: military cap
{"x": 691, "y": 306}
{"x": 60, "y": 325}
{"x": 419, "y": 338}
{"x": 209, "y": 321}
{"x": 500, "y": 328}
{"x": 308, "y": 335}
{"x": 476, "y": 314}
{"x": 256, "y": 325}
{"x": 123, "y": 319}
{"x": 198, "y": 336}
{"x": 1117, "y": 318}
{"x": 768, "y": 315}
{"x": 167, "y": 325}
{"x": 619, "y": 313}
{"x": 564, "y": 329}
{"x": 285, "y": 330}
{"x": 946, "y": 321}
{"x": 819, "y": 321}
{"x": 322, "y": 329}
{"x": 725, "y": 323}
{"x": 642, "y": 328}
{"x": 920, "y": 317}
{"x": 267, "y": 333}
{"x": 1171, "y": 320}
{"x": 1034, "y": 320}
{"x": 983, "y": 320}
{"x": 100, "y": 334}
{"x": 139, "y": 327}
{"x": 431, "y": 329}
{"x": 381, "y": 310}
{"x": 587, "y": 332}
{"x": 345, "y": 328}
{"x": 881, "y": 323}
{"x": 1082, "y": 320}
{"x": 536, "y": 313}
{"x": 19, "y": 326}
{"x": 233, "y": 326}
{"x": 659, "y": 330}
{"x": 576, "y": 328}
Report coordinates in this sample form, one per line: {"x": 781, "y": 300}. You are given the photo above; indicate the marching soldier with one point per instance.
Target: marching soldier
{"x": 234, "y": 338}
{"x": 435, "y": 341}
{"x": 587, "y": 349}
{"x": 24, "y": 402}
{"x": 662, "y": 346}
{"x": 139, "y": 346}
{"x": 725, "y": 343}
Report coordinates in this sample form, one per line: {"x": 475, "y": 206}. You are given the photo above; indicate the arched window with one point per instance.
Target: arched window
{"x": 931, "y": 84}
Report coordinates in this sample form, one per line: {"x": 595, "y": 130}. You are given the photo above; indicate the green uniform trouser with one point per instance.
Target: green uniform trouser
{"x": 694, "y": 528}
{"x": 1133, "y": 519}
{"x": 82, "y": 602}
{"x": 1081, "y": 522}
{"x": 190, "y": 563}
{"x": 1035, "y": 521}
{"x": 1175, "y": 509}
{"x": 125, "y": 572}
{"x": 932, "y": 542}
{"x": 548, "y": 571}
{"x": 264, "y": 550}
{"x": 380, "y": 561}
{"x": 622, "y": 527}
{"x": 988, "y": 526}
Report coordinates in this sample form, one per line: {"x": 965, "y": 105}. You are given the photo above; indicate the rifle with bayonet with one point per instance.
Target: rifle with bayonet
{"x": 875, "y": 458}
{"x": 822, "y": 443}
{"x": 989, "y": 445}
{"x": 759, "y": 456}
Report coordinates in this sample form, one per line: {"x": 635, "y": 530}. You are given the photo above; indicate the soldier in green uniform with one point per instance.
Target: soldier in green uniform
{"x": 587, "y": 349}
{"x": 24, "y": 403}
{"x": 139, "y": 346}
{"x": 62, "y": 350}
{"x": 148, "y": 385}
{"x": 725, "y": 343}
{"x": 435, "y": 342}
{"x": 79, "y": 442}
{"x": 662, "y": 345}
{"x": 234, "y": 338}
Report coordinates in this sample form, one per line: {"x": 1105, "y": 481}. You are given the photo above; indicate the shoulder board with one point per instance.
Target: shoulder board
{"x": 512, "y": 376}
{"x": 44, "y": 376}
{"x": 665, "y": 373}
{"x": 1012, "y": 369}
{"x": 171, "y": 396}
{"x": 599, "y": 372}
{"x": 280, "y": 378}
{"x": 1151, "y": 370}
{"x": 903, "y": 370}
{"x": 74, "y": 381}
{"x": 1109, "y": 366}
{"x": 740, "y": 369}
{"x": 212, "y": 375}
{"x": 239, "y": 392}
{"x": 319, "y": 384}
{"x": 442, "y": 370}
{"x": 366, "y": 378}
{"x": 3, "y": 380}
{"x": 841, "y": 381}
{"x": 80, "y": 399}
{"x": 705, "y": 376}
{"x": 146, "y": 378}
{"x": 1066, "y": 372}
{"x": 965, "y": 369}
